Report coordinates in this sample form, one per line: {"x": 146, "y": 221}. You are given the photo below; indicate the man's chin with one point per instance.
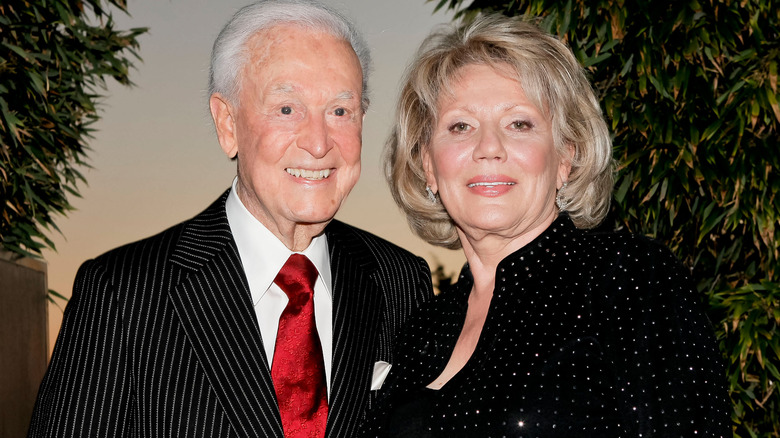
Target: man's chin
{"x": 323, "y": 221}
{"x": 311, "y": 209}
{"x": 320, "y": 217}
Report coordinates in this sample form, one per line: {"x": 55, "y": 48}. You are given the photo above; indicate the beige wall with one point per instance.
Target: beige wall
{"x": 23, "y": 343}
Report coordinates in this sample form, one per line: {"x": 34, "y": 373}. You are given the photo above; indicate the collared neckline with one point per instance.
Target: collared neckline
{"x": 263, "y": 254}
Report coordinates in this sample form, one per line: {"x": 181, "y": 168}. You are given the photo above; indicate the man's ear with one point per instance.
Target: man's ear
{"x": 222, "y": 113}
{"x": 427, "y": 163}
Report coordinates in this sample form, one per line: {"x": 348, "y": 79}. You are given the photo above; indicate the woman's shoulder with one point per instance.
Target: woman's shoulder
{"x": 623, "y": 245}
{"x": 632, "y": 271}
{"x": 440, "y": 317}
{"x": 564, "y": 238}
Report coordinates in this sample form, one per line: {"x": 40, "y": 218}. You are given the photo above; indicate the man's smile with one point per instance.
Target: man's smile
{"x": 309, "y": 174}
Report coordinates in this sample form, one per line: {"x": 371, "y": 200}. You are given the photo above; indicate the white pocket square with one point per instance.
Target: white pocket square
{"x": 381, "y": 369}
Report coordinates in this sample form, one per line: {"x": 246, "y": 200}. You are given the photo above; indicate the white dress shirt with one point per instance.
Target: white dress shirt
{"x": 262, "y": 256}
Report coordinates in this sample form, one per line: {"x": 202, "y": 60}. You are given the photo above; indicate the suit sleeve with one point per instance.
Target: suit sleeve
{"x": 86, "y": 389}
{"x": 425, "y": 289}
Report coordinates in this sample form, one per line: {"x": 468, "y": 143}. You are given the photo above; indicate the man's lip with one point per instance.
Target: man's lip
{"x": 313, "y": 175}
{"x": 490, "y": 181}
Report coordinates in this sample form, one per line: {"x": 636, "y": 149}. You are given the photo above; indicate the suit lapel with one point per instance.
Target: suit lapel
{"x": 357, "y": 304}
{"x": 214, "y": 305}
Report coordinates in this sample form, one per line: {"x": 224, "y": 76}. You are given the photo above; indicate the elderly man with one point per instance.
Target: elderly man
{"x": 261, "y": 316}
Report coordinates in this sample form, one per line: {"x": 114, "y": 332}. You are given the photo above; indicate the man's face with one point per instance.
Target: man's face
{"x": 296, "y": 127}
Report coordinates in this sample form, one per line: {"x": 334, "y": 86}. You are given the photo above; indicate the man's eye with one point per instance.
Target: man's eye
{"x": 339, "y": 112}
{"x": 286, "y": 110}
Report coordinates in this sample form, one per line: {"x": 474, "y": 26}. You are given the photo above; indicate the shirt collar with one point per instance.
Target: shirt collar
{"x": 263, "y": 254}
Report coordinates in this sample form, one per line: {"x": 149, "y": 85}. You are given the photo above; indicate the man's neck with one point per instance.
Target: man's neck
{"x": 302, "y": 235}
{"x": 295, "y": 236}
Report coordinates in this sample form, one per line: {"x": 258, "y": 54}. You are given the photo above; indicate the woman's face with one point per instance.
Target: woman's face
{"x": 492, "y": 158}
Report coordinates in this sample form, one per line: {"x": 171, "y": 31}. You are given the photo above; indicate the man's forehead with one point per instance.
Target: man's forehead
{"x": 291, "y": 41}
{"x": 265, "y": 39}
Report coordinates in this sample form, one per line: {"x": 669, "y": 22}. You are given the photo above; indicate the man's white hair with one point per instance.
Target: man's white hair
{"x": 229, "y": 53}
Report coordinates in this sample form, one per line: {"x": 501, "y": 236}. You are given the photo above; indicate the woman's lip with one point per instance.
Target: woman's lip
{"x": 492, "y": 190}
{"x": 490, "y": 184}
{"x": 490, "y": 181}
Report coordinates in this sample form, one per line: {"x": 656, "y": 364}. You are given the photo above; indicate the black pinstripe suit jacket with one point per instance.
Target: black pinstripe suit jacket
{"x": 160, "y": 338}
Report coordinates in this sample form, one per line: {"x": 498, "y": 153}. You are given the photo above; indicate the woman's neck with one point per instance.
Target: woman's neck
{"x": 484, "y": 251}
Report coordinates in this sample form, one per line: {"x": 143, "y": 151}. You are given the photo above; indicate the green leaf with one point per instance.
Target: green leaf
{"x": 593, "y": 61}
{"x": 627, "y": 66}
{"x": 620, "y": 195}
{"x": 18, "y": 50}
{"x": 53, "y": 63}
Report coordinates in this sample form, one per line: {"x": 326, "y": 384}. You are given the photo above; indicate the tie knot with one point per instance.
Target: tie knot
{"x": 297, "y": 276}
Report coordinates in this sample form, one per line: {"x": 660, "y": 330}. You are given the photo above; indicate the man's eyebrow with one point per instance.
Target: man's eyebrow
{"x": 345, "y": 95}
{"x": 282, "y": 89}
{"x": 286, "y": 89}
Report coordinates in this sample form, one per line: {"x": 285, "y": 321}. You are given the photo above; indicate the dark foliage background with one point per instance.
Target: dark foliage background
{"x": 690, "y": 90}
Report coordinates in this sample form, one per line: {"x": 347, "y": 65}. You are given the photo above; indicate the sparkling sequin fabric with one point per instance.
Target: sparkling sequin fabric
{"x": 588, "y": 334}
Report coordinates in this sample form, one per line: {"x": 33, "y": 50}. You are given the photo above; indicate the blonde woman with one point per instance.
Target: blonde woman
{"x": 553, "y": 329}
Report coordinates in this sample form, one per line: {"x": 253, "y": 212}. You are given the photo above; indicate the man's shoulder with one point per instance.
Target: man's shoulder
{"x": 375, "y": 253}
{"x": 156, "y": 249}
{"x": 155, "y": 244}
{"x": 378, "y": 246}
{"x": 399, "y": 274}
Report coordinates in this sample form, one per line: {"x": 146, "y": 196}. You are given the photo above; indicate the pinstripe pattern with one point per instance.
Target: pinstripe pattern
{"x": 160, "y": 338}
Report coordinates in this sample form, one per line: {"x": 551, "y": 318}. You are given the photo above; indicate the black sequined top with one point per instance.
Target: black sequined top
{"x": 589, "y": 334}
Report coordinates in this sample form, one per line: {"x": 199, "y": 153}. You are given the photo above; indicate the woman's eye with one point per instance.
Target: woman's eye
{"x": 520, "y": 124}
{"x": 340, "y": 112}
{"x": 286, "y": 110}
{"x": 459, "y": 127}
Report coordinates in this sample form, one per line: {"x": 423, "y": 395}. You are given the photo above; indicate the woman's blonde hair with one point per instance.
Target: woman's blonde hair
{"x": 551, "y": 79}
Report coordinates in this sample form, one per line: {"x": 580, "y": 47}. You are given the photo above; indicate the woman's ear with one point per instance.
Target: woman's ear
{"x": 222, "y": 113}
{"x": 564, "y": 167}
{"x": 427, "y": 162}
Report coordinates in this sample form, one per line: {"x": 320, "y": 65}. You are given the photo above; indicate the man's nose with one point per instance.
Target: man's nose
{"x": 314, "y": 137}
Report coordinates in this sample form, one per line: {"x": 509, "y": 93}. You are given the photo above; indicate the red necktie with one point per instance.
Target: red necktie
{"x": 298, "y": 370}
